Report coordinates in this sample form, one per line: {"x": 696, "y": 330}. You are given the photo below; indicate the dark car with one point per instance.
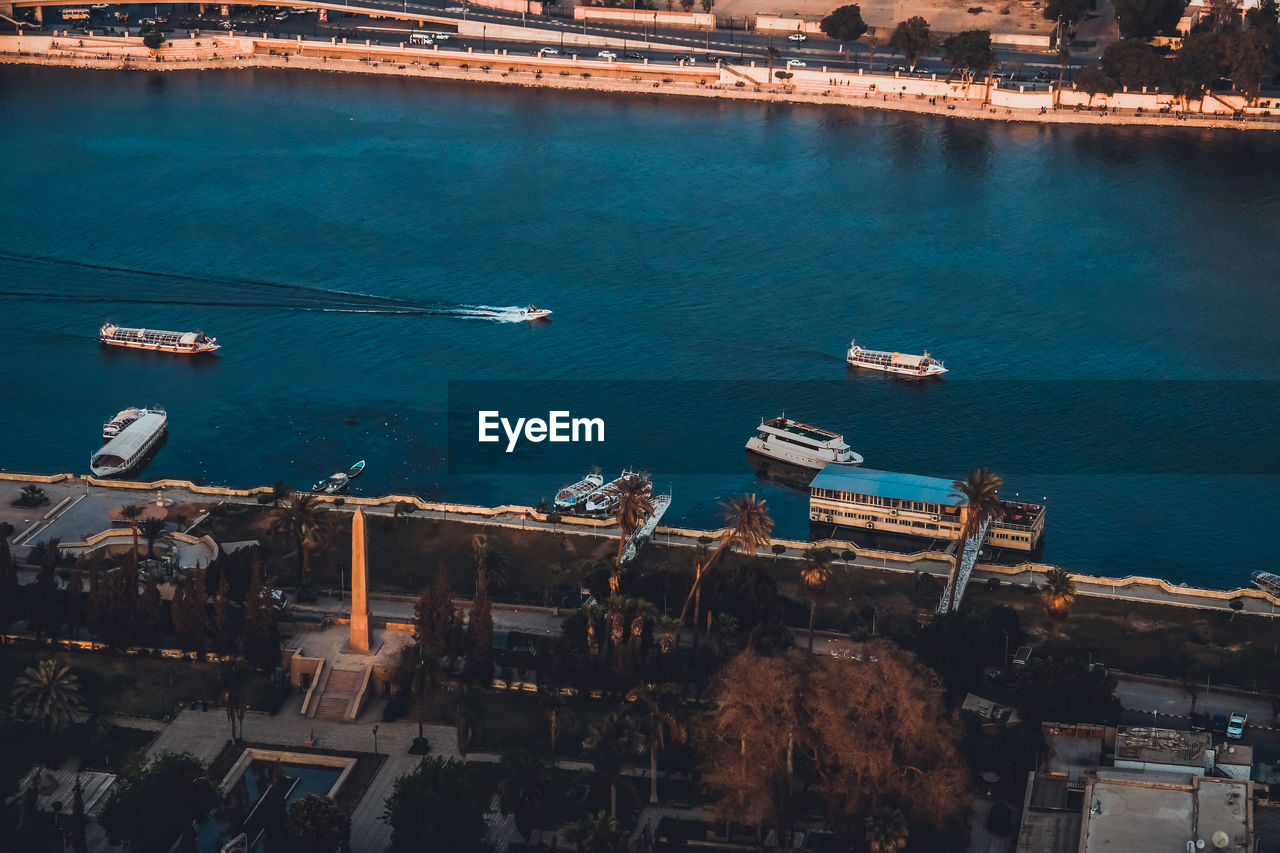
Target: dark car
{"x": 633, "y": 55}
{"x": 1219, "y": 724}
{"x": 1199, "y": 722}
{"x": 682, "y": 57}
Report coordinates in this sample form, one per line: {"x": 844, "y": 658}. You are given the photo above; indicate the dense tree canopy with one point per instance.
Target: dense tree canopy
{"x": 440, "y": 803}
{"x": 315, "y": 825}
{"x": 970, "y": 50}
{"x": 912, "y": 38}
{"x": 864, "y": 730}
{"x": 1069, "y": 10}
{"x": 1065, "y": 690}
{"x": 166, "y": 799}
{"x": 1147, "y": 18}
{"x": 845, "y": 23}
{"x": 1133, "y": 63}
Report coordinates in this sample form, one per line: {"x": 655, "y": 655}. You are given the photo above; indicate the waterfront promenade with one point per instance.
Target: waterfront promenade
{"x": 78, "y": 508}
{"x": 932, "y": 96}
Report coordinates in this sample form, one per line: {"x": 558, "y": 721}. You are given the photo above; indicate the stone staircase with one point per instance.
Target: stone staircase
{"x": 339, "y": 693}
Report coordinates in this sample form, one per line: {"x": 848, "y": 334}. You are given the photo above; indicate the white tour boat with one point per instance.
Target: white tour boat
{"x": 182, "y": 343}
{"x": 801, "y": 444}
{"x": 571, "y": 496}
{"x": 533, "y": 312}
{"x": 897, "y": 363}
{"x": 607, "y": 497}
{"x": 126, "y": 416}
{"x": 127, "y": 449}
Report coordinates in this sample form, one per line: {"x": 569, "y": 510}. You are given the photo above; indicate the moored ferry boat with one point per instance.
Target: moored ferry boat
{"x": 897, "y": 363}
{"x": 184, "y": 343}
{"x": 572, "y": 495}
{"x": 801, "y": 444}
{"x": 113, "y": 427}
{"x": 1267, "y": 582}
{"x": 130, "y": 447}
{"x": 607, "y": 497}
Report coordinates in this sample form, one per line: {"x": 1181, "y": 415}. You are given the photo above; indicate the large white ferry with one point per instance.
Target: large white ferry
{"x": 606, "y": 498}
{"x": 184, "y": 343}
{"x": 571, "y": 496}
{"x": 131, "y": 445}
{"x": 801, "y": 444}
{"x": 897, "y": 363}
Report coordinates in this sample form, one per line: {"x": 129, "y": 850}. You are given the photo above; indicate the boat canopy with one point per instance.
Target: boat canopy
{"x": 887, "y": 484}
{"x": 131, "y": 440}
{"x": 153, "y": 337}
{"x": 904, "y": 360}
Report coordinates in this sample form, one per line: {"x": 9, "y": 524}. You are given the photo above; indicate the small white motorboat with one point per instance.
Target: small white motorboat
{"x": 533, "y": 312}
{"x": 332, "y": 485}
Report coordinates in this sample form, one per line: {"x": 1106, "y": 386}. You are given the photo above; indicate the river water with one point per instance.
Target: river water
{"x": 1105, "y": 299}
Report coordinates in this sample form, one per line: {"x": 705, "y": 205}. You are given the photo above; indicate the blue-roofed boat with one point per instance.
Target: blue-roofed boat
{"x": 911, "y": 510}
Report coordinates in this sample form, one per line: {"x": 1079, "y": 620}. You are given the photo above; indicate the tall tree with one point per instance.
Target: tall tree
{"x": 304, "y": 520}
{"x": 48, "y": 692}
{"x": 8, "y": 579}
{"x": 635, "y": 505}
{"x": 261, "y": 630}
{"x": 164, "y": 801}
{"x": 747, "y": 529}
{"x": 1147, "y": 18}
{"x": 132, "y": 513}
{"x": 441, "y": 803}
{"x": 815, "y": 574}
{"x": 146, "y": 623}
{"x": 234, "y": 678}
{"x": 524, "y": 786}
{"x": 610, "y": 742}
{"x": 435, "y": 618}
{"x": 658, "y": 704}
{"x": 1059, "y": 593}
{"x": 75, "y": 602}
{"x": 190, "y": 621}
{"x": 913, "y": 39}
{"x": 224, "y": 633}
{"x": 76, "y": 829}
{"x": 480, "y": 632}
{"x": 970, "y": 52}
{"x": 152, "y": 530}
{"x": 1066, "y": 690}
{"x": 980, "y": 492}
{"x": 466, "y": 720}
{"x": 45, "y": 619}
{"x": 844, "y": 24}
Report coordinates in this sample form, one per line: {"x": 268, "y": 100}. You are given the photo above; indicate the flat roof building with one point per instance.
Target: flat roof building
{"x": 1137, "y": 812}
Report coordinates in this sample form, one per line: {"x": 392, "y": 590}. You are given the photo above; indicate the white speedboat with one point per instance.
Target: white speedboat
{"x": 897, "y": 363}
{"x": 571, "y": 496}
{"x": 332, "y": 485}
{"x": 533, "y": 312}
{"x": 801, "y": 444}
{"x": 131, "y": 445}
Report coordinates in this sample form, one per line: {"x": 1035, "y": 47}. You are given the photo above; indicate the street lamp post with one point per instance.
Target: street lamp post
{"x": 375, "y": 740}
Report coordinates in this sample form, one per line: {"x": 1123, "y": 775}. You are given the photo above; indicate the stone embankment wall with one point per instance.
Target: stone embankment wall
{"x": 934, "y": 96}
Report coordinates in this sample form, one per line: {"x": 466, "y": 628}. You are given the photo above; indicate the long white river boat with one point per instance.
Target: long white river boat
{"x": 896, "y": 363}
{"x": 572, "y": 495}
{"x": 606, "y": 498}
{"x": 182, "y": 343}
{"x": 801, "y": 444}
{"x": 130, "y": 447}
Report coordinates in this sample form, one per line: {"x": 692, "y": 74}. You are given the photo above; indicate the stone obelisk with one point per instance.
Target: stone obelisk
{"x": 359, "y": 586}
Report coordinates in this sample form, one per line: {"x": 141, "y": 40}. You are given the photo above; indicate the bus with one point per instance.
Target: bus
{"x": 75, "y": 14}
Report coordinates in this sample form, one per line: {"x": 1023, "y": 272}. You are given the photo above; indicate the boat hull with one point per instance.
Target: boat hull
{"x": 904, "y": 372}
{"x": 197, "y": 350}
{"x": 791, "y": 454}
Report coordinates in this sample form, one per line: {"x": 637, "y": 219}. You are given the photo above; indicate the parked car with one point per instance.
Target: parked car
{"x": 1236, "y": 724}
{"x": 548, "y": 51}
{"x": 635, "y": 56}
{"x": 795, "y": 63}
{"x": 1199, "y": 722}
{"x": 1219, "y": 724}
{"x": 682, "y": 57}
{"x": 607, "y": 54}
{"x": 798, "y": 37}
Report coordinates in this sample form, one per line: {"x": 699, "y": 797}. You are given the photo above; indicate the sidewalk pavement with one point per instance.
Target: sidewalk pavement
{"x": 1167, "y": 697}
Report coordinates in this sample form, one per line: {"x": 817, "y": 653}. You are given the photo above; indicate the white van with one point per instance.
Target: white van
{"x": 420, "y": 38}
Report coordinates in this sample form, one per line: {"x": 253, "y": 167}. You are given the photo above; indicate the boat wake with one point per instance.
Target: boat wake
{"x": 102, "y": 283}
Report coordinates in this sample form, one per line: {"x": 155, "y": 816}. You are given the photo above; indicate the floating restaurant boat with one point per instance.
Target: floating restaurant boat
{"x": 801, "y": 444}
{"x": 126, "y": 416}
{"x": 183, "y": 343}
{"x": 1267, "y": 582}
{"x": 606, "y": 498}
{"x": 333, "y": 484}
{"x": 571, "y": 496}
{"x": 897, "y": 363}
{"x": 131, "y": 446}
{"x": 533, "y": 312}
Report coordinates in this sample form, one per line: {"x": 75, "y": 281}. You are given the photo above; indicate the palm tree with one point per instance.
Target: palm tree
{"x": 872, "y": 42}
{"x": 522, "y": 789}
{"x": 490, "y": 564}
{"x": 235, "y": 677}
{"x": 747, "y": 528}
{"x": 815, "y": 572}
{"x": 980, "y": 491}
{"x": 610, "y": 741}
{"x": 669, "y": 634}
{"x": 152, "y": 530}
{"x": 1059, "y": 593}
{"x": 658, "y": 702}
{"x": 597, "y": 833}
{"x": 1064, "y": 59}
{"x": 887, "y": 831}
{"x": 131, "y": 513}
{"x": 772, "y": 54}
{"x": 31, "y": 496}
{"x": 304, "y": 519}
{"x": 559, "y": 714}
{"x": 49, "y": 692}
{"x": 635, "y": 505}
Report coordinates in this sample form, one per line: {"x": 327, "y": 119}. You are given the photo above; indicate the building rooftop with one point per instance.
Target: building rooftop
{"x": 1137, "y": 812}
{"x": 886, "y": 484}
{"x": 1162, "y": 746}
{"x": 1073, "y": 749}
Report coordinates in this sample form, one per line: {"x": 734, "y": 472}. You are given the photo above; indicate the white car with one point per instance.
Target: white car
{"x": 798, "y": 37}
{"x": 795, "y": 63}
{"x": 457, "y": 10}
{"x": 548, "y": 51}
{"x": 607, "y": 54}
{"x": 1236, "y": 724}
